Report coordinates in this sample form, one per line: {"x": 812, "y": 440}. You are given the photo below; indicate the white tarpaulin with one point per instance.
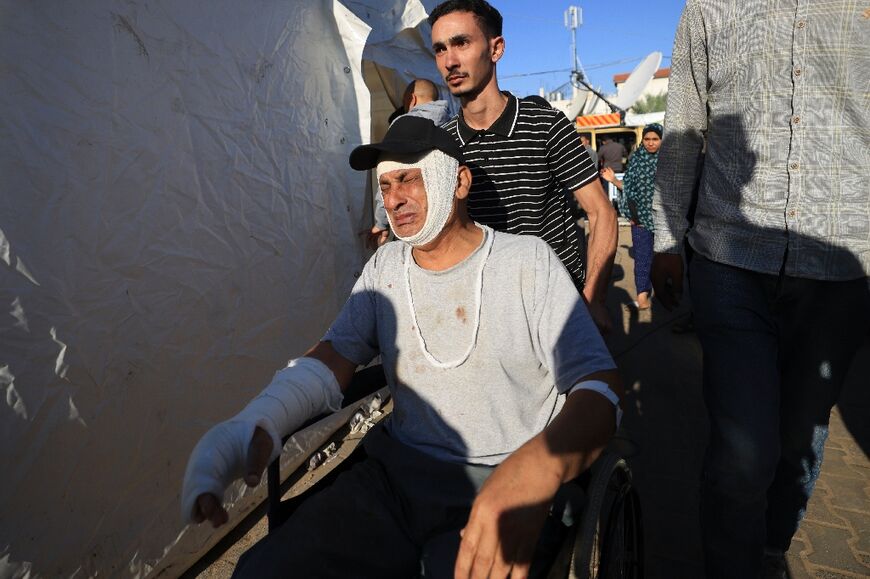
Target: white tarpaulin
{"x": 177, "y": 219}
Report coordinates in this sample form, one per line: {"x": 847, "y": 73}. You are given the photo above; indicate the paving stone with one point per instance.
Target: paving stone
{"x": 862, "y": 468}
{"x": 819, "y": 511}
{"x": 836, "y": 421}
{"x": 838, "y": 434}
{"x": 859, "y": 525}
{"x": 853, "y": 448}
{"x": 858, "y": 468}
{"x": 830, "y": 548}
{"x": 800, "y": 536}
{"x": 837, "y": 431}
{"x": 848, "y": 493}
{"x": 835, "y": 464}
{"x": 831, "y": 574}
{"x": 796, "y": 567}
{"x": 822, "y": 485}
{"x": 834, "y": 443}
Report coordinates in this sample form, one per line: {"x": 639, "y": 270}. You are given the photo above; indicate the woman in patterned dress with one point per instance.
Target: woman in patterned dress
{"x": 635, "y": 204}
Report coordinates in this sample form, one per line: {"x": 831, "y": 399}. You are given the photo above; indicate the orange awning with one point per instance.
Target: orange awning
{"x": 606, "y": 120}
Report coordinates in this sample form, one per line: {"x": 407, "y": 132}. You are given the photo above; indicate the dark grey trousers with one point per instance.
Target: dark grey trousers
{"x": 777, "y": 350}
{"x": 397, "y": 513}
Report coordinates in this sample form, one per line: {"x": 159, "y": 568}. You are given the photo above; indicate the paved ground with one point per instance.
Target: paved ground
{"x": 665, "y": 417}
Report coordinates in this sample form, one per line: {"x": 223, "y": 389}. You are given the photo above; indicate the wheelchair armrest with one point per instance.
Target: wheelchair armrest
{"x": 364, "y": 382}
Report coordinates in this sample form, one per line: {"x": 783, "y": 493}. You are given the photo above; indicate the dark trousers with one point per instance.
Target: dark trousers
{"x": 397, "y": 513}
{"x": 776, "y": 353}
{"x": 642, "y": 248}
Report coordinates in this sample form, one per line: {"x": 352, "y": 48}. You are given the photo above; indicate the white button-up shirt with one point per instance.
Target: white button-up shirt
{"x": 780, "y": 92}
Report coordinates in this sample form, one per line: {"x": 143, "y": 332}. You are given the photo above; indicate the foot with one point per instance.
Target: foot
{"x": 643, "y": 301}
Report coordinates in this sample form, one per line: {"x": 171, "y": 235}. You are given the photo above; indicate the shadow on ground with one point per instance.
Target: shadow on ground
{"x": 666, "y": 420}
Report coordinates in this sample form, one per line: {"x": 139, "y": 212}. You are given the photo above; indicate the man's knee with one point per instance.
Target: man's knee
{"x": 741, "y": 463}
{"x": 349, "y": 529}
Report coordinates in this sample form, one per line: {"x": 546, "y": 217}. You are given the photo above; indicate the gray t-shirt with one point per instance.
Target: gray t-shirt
{"x": 534, "y": 341}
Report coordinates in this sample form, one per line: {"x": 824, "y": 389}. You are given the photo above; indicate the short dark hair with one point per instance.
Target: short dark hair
{"x": 488, "y": 18}
{"x": 422, "y": 87}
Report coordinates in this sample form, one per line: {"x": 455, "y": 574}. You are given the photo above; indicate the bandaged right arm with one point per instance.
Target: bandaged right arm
{"x": 304, "y": 389}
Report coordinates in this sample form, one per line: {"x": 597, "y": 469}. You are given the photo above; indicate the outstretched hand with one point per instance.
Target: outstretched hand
{"x": 506, "y": 519}
{"x": 607, "y": 174}
{"x": 208, "y": 507}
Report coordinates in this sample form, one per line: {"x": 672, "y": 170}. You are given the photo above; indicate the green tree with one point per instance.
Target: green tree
{"x": 651, "y": 103}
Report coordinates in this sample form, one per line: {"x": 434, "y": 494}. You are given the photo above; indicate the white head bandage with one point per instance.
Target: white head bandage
{"x": 439, "y": 178}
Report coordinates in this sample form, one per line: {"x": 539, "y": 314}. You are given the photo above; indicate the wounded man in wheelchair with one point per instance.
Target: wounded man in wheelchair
{"x": 502, "y": 387}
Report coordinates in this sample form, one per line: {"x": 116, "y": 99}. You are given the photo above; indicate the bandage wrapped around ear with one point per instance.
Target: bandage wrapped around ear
{"x": 304, "y": 389}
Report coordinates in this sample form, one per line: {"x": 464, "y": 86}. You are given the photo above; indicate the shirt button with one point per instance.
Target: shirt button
{"x": 792, "y": 213}
{"x": 801, "y": 23}
{"x": 794, "y": 166}
{"x": 796, "y": 119}
{"x": 797, "y": 71}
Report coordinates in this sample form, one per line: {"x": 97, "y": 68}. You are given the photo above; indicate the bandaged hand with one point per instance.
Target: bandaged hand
{"x": 204, "y": 463}
{"x": 235, "y": 448}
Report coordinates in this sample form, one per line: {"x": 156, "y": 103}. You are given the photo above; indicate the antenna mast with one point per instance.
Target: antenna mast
{"x": 573, "y": 21}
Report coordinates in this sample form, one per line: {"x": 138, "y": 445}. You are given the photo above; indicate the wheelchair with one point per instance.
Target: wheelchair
{"x": 599, "y": 513}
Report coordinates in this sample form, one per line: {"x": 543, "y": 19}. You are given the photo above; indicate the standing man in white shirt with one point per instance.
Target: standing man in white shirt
{"x": 781, "y": 237}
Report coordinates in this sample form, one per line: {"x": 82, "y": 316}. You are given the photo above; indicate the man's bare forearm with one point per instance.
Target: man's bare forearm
{"x": 579, "y": 433}
{"x": 510, "y": 510}
{"x": 601, "y": 246}
{"x": 582, "y": 429}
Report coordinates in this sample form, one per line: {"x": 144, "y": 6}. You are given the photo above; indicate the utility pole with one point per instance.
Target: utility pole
{"x": 573, "y": 21}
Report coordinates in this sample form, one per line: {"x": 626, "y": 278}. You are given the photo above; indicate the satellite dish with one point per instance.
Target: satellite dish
{"x": 581, "y": 101}
{"x": 637, "y": 81}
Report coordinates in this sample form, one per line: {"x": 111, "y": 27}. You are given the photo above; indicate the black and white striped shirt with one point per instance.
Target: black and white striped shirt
{"x": 524, "y": 168}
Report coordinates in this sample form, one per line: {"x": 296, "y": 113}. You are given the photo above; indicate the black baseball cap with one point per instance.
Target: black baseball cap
{"x": 407, "y": 135}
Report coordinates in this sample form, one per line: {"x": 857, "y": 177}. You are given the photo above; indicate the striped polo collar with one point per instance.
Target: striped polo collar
{"x": 504, "y": 125}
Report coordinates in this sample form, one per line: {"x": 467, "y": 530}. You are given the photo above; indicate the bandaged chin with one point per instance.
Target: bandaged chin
{"x": 439, "y": 179}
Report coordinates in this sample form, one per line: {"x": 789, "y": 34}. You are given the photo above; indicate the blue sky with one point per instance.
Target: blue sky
{"x": 613, "y": 30}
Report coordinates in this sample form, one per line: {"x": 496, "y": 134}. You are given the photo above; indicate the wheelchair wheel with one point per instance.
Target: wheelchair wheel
{"x": 609, "y": 540}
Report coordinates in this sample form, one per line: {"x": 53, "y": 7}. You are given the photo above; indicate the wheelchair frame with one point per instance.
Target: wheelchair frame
{"x": 604, "y": 541}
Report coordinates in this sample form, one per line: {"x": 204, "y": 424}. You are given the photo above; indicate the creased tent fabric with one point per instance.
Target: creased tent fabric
{"x": 177, "y": 218}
